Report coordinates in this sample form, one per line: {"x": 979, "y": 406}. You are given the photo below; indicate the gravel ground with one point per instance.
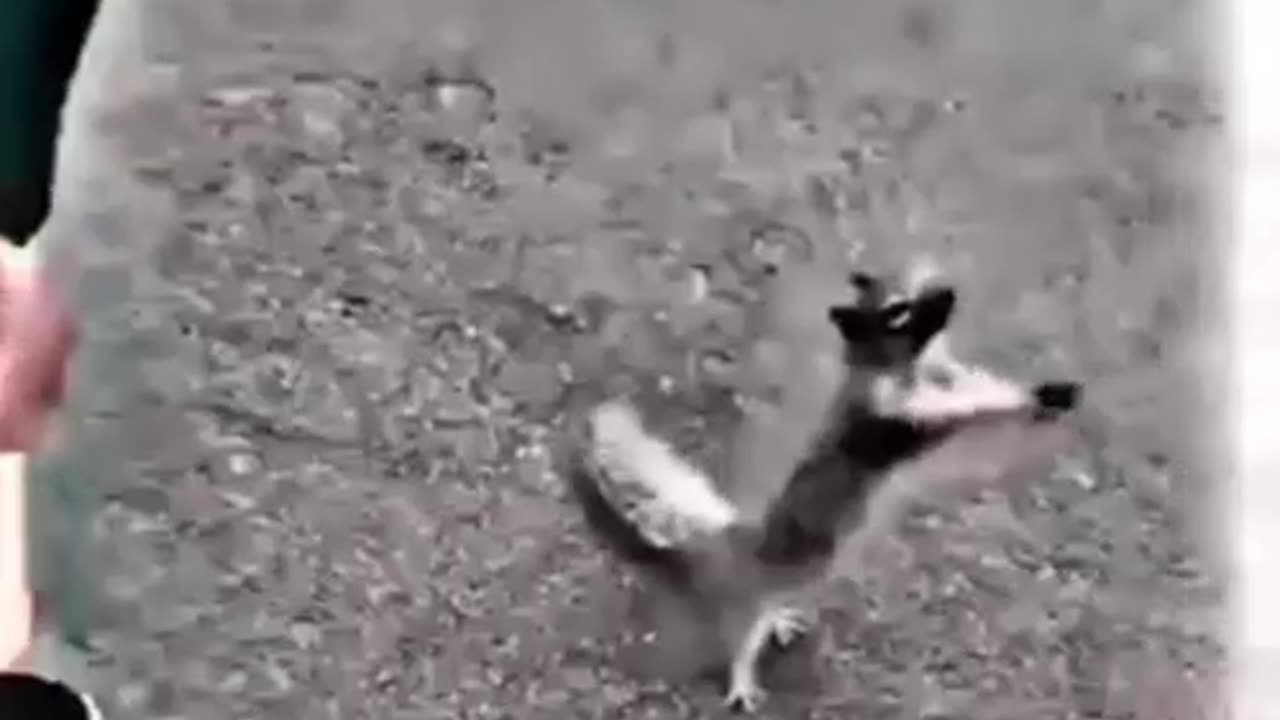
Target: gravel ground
{"x": 391, "y": 248}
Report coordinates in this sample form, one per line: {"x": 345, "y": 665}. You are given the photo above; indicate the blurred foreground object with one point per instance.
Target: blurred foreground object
{"x": 40, "y": 47}
{"x": 40, "y": 44}
{"x": 31, "y": 696}
{"x": 36, "y": 340}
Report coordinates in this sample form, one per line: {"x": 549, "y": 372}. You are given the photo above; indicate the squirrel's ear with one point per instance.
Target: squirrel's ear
{"x": 852, "y": 321}
{"x": 931, "y": 313}
{"x": 870, "y": 288}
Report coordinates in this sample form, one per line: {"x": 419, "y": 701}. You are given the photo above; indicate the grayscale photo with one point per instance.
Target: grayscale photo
{"x": 618, "y": 359}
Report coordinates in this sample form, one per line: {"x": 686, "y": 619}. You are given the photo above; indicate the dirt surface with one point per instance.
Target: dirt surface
{"x": 398, "y": 244}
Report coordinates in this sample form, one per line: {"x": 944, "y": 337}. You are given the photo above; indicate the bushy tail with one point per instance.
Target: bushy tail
{"x": 607, "y": 522}
{"x": 619, "y": 435}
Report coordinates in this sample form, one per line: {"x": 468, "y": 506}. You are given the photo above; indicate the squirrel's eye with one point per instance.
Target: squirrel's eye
{"x": 897, "y": 315}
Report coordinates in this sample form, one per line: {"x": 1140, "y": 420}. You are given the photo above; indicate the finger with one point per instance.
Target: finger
{"x": 40, "y": 333}
{"x": 20, "y": 428}
{"x": 36, "y": 339}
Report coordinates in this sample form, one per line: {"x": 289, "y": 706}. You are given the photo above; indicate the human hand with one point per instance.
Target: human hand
{"x": 36, "y": 341}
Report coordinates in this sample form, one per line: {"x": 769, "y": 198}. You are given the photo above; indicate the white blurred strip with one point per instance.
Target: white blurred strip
{"x": 1254, "y": 50}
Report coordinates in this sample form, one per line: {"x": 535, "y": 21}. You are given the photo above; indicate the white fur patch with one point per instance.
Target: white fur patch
{"x": 943, "y": 388}
{"x": 648, "y": 460}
